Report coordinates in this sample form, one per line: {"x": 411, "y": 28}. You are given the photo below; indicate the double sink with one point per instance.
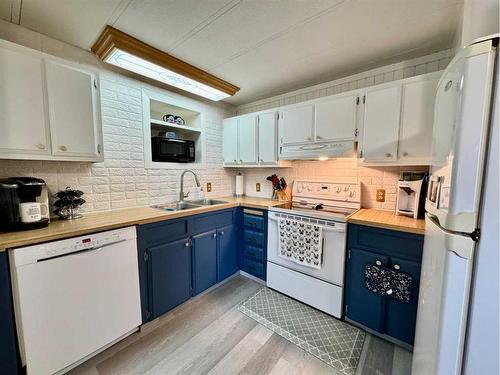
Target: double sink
{"x": 186, "y": 205}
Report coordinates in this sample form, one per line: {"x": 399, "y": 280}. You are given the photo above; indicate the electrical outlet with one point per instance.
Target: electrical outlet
{"x": 380, "y": 195}
{"x": 209, "y": 187}
{"x": 257, "y": 187}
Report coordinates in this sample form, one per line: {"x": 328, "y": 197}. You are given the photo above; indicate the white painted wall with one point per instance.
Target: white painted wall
{"x": 481, "y": 18}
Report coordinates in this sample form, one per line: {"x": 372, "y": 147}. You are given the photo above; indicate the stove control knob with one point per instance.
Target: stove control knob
{"x": 310, "y": 188}
{"x": 338, "y": 189}
{"x": 346, "y": 188}
{"x": 351, "y": 194}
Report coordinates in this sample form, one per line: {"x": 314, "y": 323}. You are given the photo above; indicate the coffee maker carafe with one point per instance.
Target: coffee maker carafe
{"x": 412, "y": 188}
{"x": 23, "y": 203}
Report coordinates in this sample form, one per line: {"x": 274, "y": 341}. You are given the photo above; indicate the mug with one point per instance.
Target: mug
{"x": 30, "y": 212}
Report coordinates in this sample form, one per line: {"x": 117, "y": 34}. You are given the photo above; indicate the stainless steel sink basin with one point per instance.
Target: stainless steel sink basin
{"x": 207, "y": 202}
{"x": 176, "y": 206}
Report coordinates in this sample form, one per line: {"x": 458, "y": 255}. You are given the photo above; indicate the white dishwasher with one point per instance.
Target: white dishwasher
{"x": 74, "y": 297}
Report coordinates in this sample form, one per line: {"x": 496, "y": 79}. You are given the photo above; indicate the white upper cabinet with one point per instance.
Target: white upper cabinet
{"x": 296, "y": 125}
{"x": 49, "y": 110}
{"x": 23, "y": 121}
{"x": 72, "y": 98}
{"x": 381, "y": 123}
{"x": 268, "y": 141}
{"x": 417, "y": 116}
{"x": 230, "y": 141}
{"x": 247, "y": 139}
{"x": 335, "y": 118}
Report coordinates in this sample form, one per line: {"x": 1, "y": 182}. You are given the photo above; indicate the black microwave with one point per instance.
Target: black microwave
{"x": 172, "y": 150}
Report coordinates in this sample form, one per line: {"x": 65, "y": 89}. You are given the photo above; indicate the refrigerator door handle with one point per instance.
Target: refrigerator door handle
{"x": 462, "y": 244}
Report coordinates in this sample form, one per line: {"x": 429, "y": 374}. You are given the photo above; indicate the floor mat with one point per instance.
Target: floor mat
{"x": 332, "y": 341}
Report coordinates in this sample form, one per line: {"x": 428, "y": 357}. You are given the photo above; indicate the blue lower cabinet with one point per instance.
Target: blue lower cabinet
{"x": 9, "y": 356}
{"x": 400, "y": 318}
{"x": 362, "y": 305}
{"x": 180, "y": 258}
{"x": 397, "y": 250}
{"x": 227, "y": 251}
{"x": 253, "y": 245}
{"x": 204, "y": 261}
{"x": 169, "y": 276}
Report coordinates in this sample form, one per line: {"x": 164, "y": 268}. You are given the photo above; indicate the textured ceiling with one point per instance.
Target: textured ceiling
{"x": 266, "y": 47}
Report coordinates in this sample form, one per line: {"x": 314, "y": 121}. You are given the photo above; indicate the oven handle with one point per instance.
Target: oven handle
{"x": 325, "y": 228}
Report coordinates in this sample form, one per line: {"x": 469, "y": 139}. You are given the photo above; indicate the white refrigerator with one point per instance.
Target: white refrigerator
{"x": 463, "y": 156}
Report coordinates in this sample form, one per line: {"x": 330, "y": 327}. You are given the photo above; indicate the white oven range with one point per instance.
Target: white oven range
{"x": 322, "y": 206}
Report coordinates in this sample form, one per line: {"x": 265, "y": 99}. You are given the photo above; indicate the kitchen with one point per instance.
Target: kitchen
{"x": 171, "y": 207}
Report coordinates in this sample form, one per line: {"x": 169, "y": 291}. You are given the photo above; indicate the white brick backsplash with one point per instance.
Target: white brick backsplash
{"x": 347, "y": 169}
{"x": 121, "y": 180}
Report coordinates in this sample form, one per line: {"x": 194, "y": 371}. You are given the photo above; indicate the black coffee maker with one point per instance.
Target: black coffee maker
{"x": 20, "y": 205}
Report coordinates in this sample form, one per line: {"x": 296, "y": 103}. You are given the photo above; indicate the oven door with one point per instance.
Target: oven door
{"x": 334, "y": 243}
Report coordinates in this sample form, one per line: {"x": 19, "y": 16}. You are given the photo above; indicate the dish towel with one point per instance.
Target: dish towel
{"x": 387, "y": 282}
{"x": 301, "y": 242}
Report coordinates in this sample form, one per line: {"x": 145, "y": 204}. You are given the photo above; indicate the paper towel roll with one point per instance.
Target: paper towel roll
{"x": 239, "y": 186}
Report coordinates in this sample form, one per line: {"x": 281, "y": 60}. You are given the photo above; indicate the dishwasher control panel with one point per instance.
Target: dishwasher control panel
{"x": 94, "y": 241}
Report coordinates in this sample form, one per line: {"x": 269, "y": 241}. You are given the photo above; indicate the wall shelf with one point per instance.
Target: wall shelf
{"x": 157, "y": 104}
{"x": 171, "y": 126}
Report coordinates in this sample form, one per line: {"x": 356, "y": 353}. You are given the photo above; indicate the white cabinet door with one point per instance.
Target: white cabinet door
{"x": 247, "y": 139}
{"x": 23, "y": 121}
{"x": 230, "y": 141}
{"x": 74, "y": 121}
{"x": 296, "y": 125}
{"x": 417, "y": 116}
{"x": 336, "y": 118}
{"x": 268, "y": 142}
{"x": 381, "y": 123}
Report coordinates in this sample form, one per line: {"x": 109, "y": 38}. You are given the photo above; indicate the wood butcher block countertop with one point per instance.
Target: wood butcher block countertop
{"x": 106, "y": 220}
{"x": 387, "y": 220}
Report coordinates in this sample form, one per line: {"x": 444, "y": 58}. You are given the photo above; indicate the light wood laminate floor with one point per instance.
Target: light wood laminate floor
{"x": 208, "y": 335}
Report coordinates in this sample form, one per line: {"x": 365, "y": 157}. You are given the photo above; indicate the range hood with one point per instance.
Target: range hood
{"x": 318, "y": 151}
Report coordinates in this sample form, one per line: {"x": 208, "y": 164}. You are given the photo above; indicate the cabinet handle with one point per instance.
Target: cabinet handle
{"x": 235, "y": 161}
{"x": 63, "y": 148}
{"x": 309, "y": 138}
{"x": 40, "y": 146}
{"x": 318, "y": 137}
{"x": 222, "y": 233}
{"x": 241, "y": 161}
{"x": 397, "y": 267}
{"x": 378, "y": 262}
{"x": 214, "y": 235}
{"x": 388, "y": 155}
{"x": 405, "y": 154}
{"x": 188, "y": 243}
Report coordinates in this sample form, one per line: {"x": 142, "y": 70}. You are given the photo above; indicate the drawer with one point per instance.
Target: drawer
{"x": 205, "y": 222}
{"x": 386, "y": 242}
{"x": 162, "y": 232}
{"x": 254, "y": 268}
{"x": 254, "y": 222}
{"x": 253, "y": 252}
{"x": 253, "y": 238}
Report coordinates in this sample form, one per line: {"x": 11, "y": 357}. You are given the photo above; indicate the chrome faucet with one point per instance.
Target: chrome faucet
{"x": 183, "y": 195}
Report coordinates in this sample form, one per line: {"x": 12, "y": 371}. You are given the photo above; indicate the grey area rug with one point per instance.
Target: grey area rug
{"x": 334, "y": 342}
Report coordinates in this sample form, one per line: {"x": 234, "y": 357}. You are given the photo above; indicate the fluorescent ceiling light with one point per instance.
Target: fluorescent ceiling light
{"x": 135, "y": 64}
{"x": 122, "y": 50}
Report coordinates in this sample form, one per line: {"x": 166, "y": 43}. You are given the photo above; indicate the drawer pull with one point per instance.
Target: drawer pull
{"x": 378, "y": 262}
{"x": 40, "y": 146}
{"x": 63, "y": 148}
{"x": 388, "y": 155}
{"x": 397, "y": 267}
{"x": 214, "y": 235}
{"x": 222, "y": 233}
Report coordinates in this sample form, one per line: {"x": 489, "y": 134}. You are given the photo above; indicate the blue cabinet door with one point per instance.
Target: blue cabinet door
{"x": 401, "y": 317}
{"x": 204, "y": 260}
{"x": 227, "y": 252}
{"x": 363, "y": 306}
{"x": 169, "y": 275}
{"x": 8, "y": 345}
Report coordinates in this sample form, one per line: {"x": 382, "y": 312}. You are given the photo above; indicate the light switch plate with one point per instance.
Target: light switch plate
{"x": 380, "y": 195}
{"x": 209, "y": 187}
{"x": 257, "y": 187}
